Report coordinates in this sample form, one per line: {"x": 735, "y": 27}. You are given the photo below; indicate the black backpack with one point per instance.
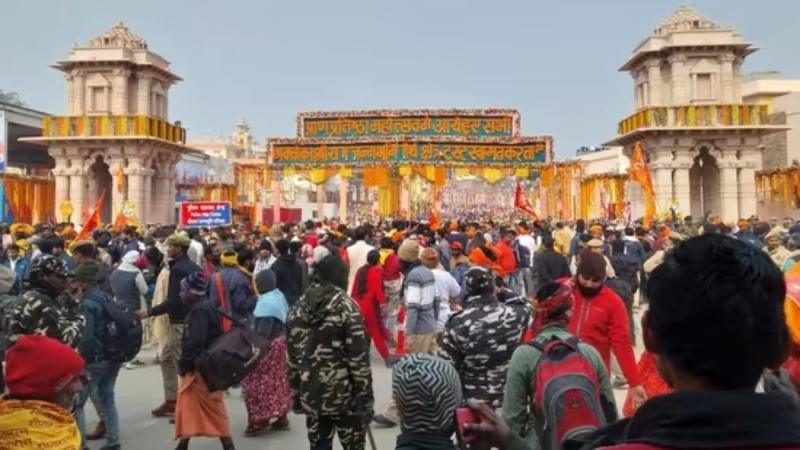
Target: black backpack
{"x": 122, "y": 339}
{"x": 523, "y": 255}
{"x": 231, "y": 356}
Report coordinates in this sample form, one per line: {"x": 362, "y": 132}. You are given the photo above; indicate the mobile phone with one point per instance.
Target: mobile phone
{"x": 463, "y": 417}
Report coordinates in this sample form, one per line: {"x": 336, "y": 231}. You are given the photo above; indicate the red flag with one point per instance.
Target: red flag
{"x": 94, "y": 219}
{"x": 522, "y": 202}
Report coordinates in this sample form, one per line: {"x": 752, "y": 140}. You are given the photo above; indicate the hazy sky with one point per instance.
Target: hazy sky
{"x": 556, "y": 61}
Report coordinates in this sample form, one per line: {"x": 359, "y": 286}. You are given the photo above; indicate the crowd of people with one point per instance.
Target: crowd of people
{"x": 509, "y": 335}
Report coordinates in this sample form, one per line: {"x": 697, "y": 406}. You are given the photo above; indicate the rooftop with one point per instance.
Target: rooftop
{"x": 119, "y": 36}
{"x": 685, "y": 19}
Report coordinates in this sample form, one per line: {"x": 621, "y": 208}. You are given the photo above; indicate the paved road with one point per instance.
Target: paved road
{"x": 139, "y": 391}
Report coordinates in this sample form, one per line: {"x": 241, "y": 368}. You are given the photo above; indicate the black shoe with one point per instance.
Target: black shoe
{"x": 382, "y": 422}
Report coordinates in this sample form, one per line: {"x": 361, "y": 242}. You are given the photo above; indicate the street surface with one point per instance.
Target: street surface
{"x": 138, "y": 391}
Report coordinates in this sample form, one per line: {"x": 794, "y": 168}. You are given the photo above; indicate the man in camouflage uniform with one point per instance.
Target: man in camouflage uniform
{"x": 45, "y": 307}
{"x": 329, "y": 368}
{"x": 480, "y": 339}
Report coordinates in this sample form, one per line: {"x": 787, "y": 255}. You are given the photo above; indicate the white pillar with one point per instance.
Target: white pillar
{"x": 683, "y": 188}
{"x": 118, "y": 185}
{"x": 135, "y": 173}
{"x": 679, "y": 79}
{"x": 728, "y": 191}
{"x": 143, "y": 96}
{"x": 77, "y": 187}
{"x": 61, "y": 175}
{"x": 343, "y": 191}
{"x": 160, "y": 212}
{"x": 321, "y": 201}
{"x": 70, "y": 93}
{"x": 147, "y": 202}
{"x": 747, "y": 191}
{"x": 276, "y": 196}
{"x": 654, "y": 82}
{"x": 119, "y": 99}
{"x": 79, "y": 107}
{"x": 727, "y": 81}
{"x": 404, "y": 198}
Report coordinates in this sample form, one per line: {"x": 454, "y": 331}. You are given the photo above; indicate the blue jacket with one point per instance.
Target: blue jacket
{"x": 239, "y": 294}
{"x": 20, "y": 269}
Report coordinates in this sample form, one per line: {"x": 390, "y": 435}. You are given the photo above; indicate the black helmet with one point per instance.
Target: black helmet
{"x": 45, "y": 265}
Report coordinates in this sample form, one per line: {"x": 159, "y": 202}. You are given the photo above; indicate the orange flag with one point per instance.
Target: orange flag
{"x": 94, "y": 219}
{"x": 434, "y": 221}
{"x": 522, "y": 202}
{"x": 641, "y": 174}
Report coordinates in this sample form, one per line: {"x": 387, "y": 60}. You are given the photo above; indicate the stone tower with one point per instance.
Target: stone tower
{"x": 703, "y": 143}
{"x": 116, "y": 137}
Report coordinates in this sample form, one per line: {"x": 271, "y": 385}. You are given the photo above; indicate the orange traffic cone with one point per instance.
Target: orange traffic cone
{"x": 400, "y": 348}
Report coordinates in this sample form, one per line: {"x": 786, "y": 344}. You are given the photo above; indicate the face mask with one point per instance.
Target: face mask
{"x": 588, "y": 292}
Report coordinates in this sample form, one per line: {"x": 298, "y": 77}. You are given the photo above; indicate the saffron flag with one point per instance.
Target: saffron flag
{"x": 433, "y": 222}
{"x": 641, "y": 174}
{"x": 522, "y": 202}
{"x": 94, "y": 219}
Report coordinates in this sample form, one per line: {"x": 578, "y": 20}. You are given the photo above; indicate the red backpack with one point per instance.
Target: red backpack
{"x": 566, "y": 391}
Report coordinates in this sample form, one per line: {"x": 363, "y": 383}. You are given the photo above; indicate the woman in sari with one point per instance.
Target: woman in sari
{"x": 266, "y": 389}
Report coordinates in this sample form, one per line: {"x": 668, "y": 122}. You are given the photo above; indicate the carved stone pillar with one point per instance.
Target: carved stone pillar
{"x": 661, "y": 167}
{"x": 70, "y": 93}
{"x": 143, "y": 95}
{"x": 119, "y": 99}
{"x": 61, "y": 175}
{"x": 728, "y": 188}
{"x": 680, "y": 78}
{"x": 79, "y": 86}
{"x": 748, "y": 164}
{"x": 135, "y": 173}
{"x": 654, "y": 82}
{"x": 77, "y": 189}
{"x": 681, "y": 182}
{"x": 727, "y": 79}
{"x": 147, "y": 202}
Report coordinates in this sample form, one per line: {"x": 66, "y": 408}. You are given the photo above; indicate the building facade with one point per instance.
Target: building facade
{"x": 599, "y": 160}
{"x": 116, "y": 141}
{"x": 704, "y": 144}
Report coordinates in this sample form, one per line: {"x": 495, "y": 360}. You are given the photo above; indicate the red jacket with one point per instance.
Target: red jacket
{"x": 505, "y": 257}
{"x": 374, "y": 295}
{"x": 602, "y": 322}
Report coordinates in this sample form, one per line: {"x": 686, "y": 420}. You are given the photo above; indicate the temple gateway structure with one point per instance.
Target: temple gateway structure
{"x": 115, "y": 142}
{"x": 704, "y": 145}
{"x": 388, "y": 149}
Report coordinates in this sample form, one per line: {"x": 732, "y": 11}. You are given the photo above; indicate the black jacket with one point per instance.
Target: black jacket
{"x": 178, "y": 270}
{"x": 289, "y": 277}
{"x": 706, "y": 420}
{"x": 203, "y": 325}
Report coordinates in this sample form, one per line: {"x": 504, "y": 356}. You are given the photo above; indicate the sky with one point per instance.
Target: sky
{"x": 555, "y": 61}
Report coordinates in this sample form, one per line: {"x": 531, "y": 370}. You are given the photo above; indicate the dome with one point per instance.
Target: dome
{"x": 119, "y": 36}
{"x": 685, "y": 19}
